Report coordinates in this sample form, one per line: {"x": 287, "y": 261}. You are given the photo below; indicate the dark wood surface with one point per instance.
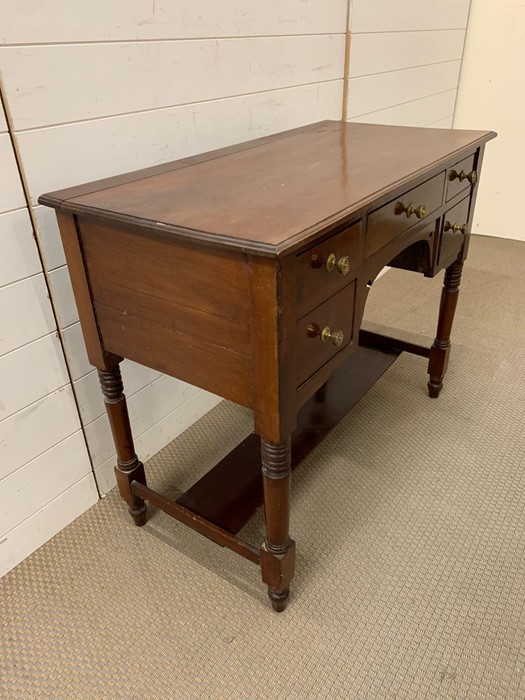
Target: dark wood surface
{"x": 55, "y": 199}
{"x": 336, "y": 313}
{"x": 455, "y": 184}
{"x": 390, "y": 220}
{"x": 71, "y": 242}
{"x": 137, "y": 272}
{"x": 196, "y": 522}
{"x": 452, "y": 240}
{"x": 276, "y": 196}
{"x": 175, "y": 353}
{"x": 313, "y": 281}
{"x": 129, "y": 468}
{"x": 440, "y": 351}
{"x": 272, "y": 294}
{"x": 214, "y": 269}
{"x": 173, "y": 307}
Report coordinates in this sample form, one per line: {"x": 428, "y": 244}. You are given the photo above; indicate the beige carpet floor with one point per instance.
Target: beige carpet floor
{"x": 410, "y": 527}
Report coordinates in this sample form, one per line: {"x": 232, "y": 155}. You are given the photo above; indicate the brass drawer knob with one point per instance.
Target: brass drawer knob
{"x": 420, "y": 211}
{"x": 472, "y": 177}
{"x": 332, "y": 263}
{"x": 326, "y": 334}
{"x": 456, "y": 228}
{"x": 343, "y": 265}
{"x": 336, "y": 337}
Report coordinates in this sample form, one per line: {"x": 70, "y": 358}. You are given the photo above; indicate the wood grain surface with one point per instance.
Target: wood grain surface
{"x": 275, "y": 196}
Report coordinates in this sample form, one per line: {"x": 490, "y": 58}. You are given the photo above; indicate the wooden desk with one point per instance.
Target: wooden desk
{"x": 245, "y": 271}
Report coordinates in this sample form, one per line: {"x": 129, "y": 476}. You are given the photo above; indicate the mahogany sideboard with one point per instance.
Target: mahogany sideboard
{"x": 245, "y": 271}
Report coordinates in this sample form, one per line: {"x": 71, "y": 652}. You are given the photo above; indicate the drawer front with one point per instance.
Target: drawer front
{"x": 327, "y": 267}
{"x": 461, "y": 176}
{"x": 392, "y": 219}
{"x": 313, "y": 348}
{"x": 453, "y": 230}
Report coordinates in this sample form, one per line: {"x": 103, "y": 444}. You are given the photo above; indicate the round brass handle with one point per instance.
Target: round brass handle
{"x": 343, "y": 265}
{"x": 420, "y": 211}
{"x": 472, "y": 177}
{"x": 330, "y": 263}
{"x": 456, "y": 228}
{"x": 336, "y": 337}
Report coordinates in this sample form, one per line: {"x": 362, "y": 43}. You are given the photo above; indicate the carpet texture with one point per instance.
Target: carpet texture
{"x": 411, "y": 567}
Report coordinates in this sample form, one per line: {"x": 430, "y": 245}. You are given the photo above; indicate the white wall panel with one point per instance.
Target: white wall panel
{"x": 11, "y": 193}
{"x": 75, "y": 351}
{"x": 32, "y": 431}
{"x": 44, "y": 371}
{"x": 18, "y": 543}
{"x": 376, "y": 92}
{"x": 443, "y": 123}
{"x": 41, "y": 480}
{"x": 25, "y": 313}
{"x": 388, "y": 51}
{"x": 148, "y": 75}
{"x": 490, "y": 96}
{"x": 63, "y": 298}
{"x": 30, "y": 21}
{"x": 100, "y": 148}
{"x": 37, "y": 410}
{"x": 405, "y": 59}
{"x": 49, "y": 237}
{"x": 422, "y": 112}
{"x": 407, "y": 15}
{"x": 18, "y": 251}
{"x": 156, "y": 437}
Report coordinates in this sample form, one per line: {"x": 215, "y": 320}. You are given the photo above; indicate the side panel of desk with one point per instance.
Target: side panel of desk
{"x": 178, "y": 308}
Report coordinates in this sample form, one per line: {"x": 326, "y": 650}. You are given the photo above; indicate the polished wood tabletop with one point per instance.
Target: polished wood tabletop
{"x": 274, "y": 194}
{"x": 246, "y": 271}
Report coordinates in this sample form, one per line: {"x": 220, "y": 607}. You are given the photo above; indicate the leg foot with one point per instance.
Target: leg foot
{"x": 435, "y": 384}
{"x": 126, "y": 473}
{"x": 278, "y": 599}
{"x": 139, "y": 516}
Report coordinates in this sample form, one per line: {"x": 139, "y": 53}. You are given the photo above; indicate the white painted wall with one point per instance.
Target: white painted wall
{"x": 45, "y": 473}
{"x": 491, "y": 96}
{"x": 404, "y": 61}
{"x": 99, "y": 88}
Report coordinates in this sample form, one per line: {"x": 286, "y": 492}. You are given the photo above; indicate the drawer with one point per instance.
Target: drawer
{"x": 327, "y": 267}
{"x": 392, "y": 219}
{"x": 461, "y": 176}
{"x": 313, "y": 346}
{"x": 454, "y": 226}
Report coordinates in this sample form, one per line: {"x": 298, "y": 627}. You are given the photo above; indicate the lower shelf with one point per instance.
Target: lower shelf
{"x": 230, "y": 493}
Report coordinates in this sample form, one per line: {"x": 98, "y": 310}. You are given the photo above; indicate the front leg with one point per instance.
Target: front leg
{"x": 128, "y": 468}
{"x": 440, "y": 351}
{"x": 278, "y": 550}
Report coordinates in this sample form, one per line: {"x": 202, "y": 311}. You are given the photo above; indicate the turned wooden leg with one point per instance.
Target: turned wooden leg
{"x": 278, "y": 550}
{"x": 440, "y": 351}
{"x": 128, "y": 468}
